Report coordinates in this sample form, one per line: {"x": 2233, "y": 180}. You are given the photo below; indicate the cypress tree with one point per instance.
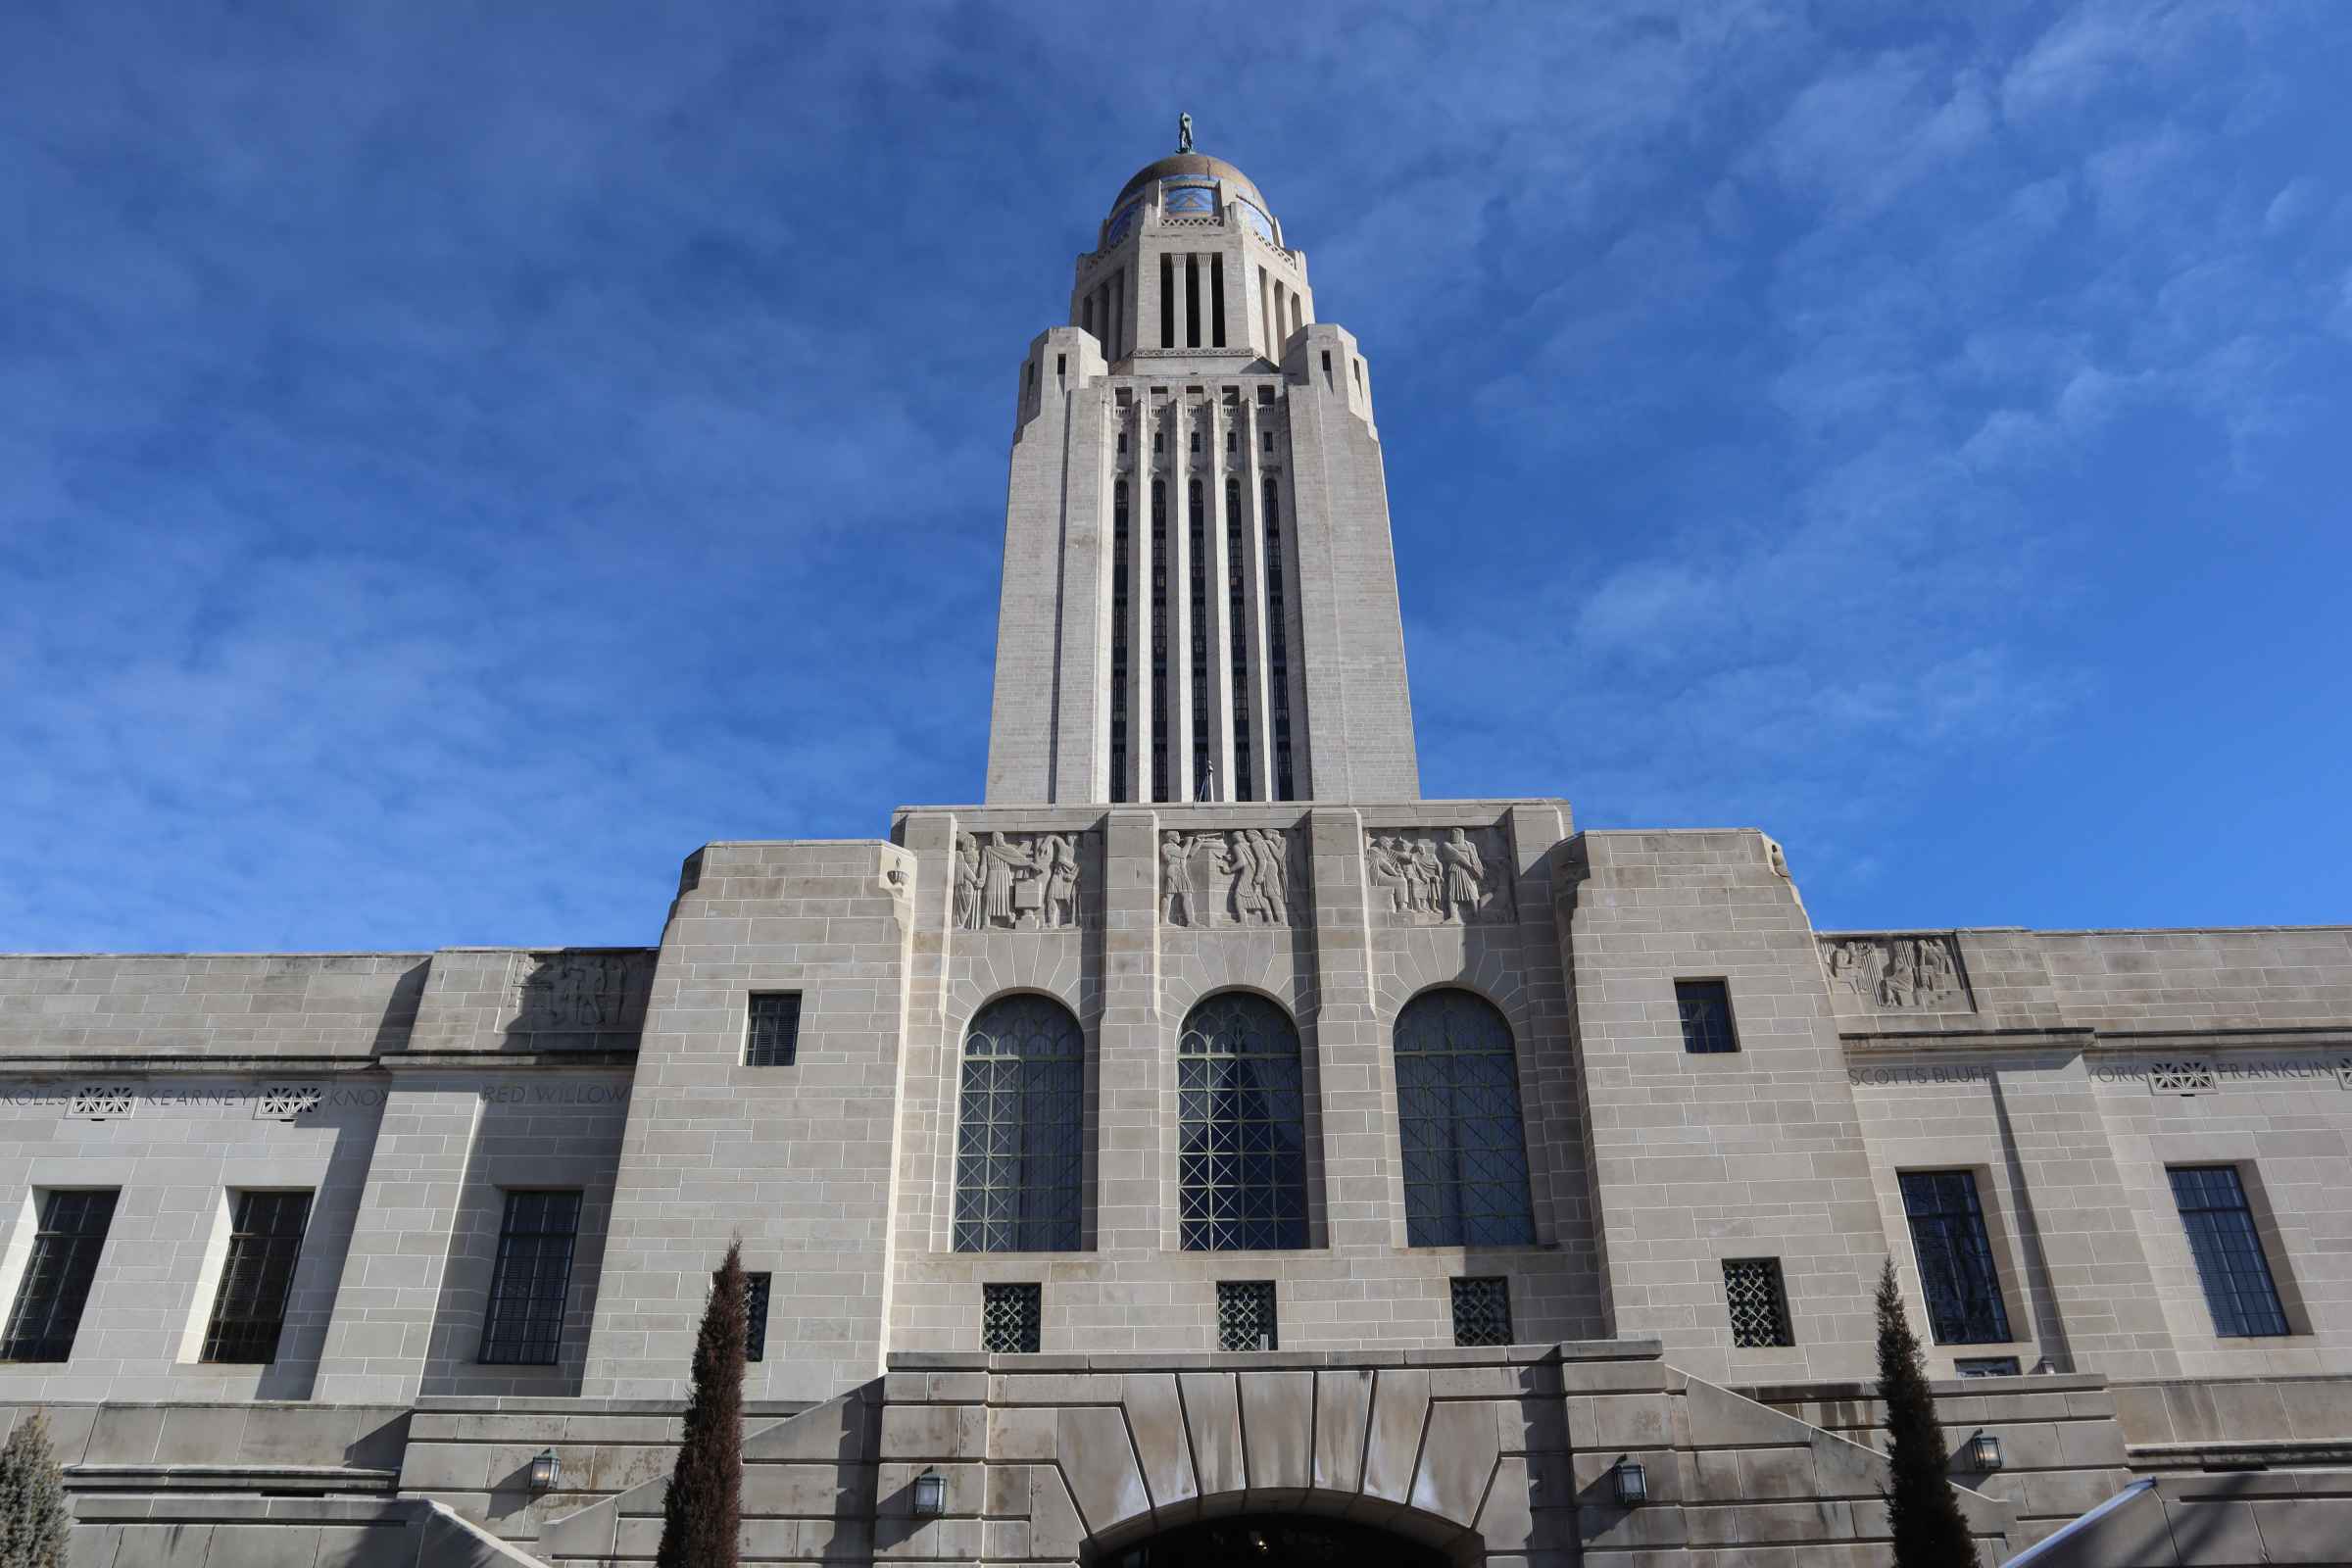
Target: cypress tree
{"x": 33, "y": 1521}
{"x": 1929, "y": 1531}
{"x": 701, "y": 1512}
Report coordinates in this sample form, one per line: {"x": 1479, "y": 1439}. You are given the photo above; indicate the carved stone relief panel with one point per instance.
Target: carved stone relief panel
{"x": 1238, "y": 876}
{"x": 577, "y": 993}
{"x": 1017, "y": 881}
{"x": 1899, "y": 973}
{"x": 1438, "y": 875}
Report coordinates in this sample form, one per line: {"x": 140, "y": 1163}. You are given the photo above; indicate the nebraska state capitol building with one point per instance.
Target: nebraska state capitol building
{"x": 1205, "y": 1148}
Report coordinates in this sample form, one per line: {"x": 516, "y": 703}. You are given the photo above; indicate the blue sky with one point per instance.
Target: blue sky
{"x": 456, "y": 460}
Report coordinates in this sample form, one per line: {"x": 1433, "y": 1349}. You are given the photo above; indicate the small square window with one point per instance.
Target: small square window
{"x": 1985, "y": 1366}
{"x": 1706, "y": 1009}
{"x": 772, "y": 1036}
{"x": 1482, "y": 1312}
{"x": 1010, "y": 1318}
{"x": 755, "y": 1325}
{"x": 1759, "y": 1304}
{"x": 1246, "y": 1315}
{"x": 1062, "y": 365}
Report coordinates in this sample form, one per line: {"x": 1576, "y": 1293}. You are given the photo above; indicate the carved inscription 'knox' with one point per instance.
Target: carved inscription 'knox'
{"x": 1438, "y": 875}
{"x": 1017, "y": 881}
{"x": 1921, "y": 974}
{"x": 1231, "y": 876}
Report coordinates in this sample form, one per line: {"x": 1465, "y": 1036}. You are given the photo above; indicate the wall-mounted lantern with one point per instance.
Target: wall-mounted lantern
{"x": 1984, "y": 1452}
{"x": 1632, "y": 1483}
{"x": 547, "y": 1468}
{"x": 930, "y": 1495}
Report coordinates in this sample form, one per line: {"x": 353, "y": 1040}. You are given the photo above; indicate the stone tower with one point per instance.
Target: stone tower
{"x": 1200, "y": 595}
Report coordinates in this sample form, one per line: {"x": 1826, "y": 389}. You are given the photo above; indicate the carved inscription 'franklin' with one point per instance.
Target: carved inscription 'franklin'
{"x": 1438, "y": 876}
{"x": 1900, "y": 973}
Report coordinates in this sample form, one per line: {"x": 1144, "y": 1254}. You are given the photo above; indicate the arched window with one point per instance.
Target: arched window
{"x": 1021, "y": 1145}
{"x": 1241, "y": 1127}
{"x": 1457, "y": 1113}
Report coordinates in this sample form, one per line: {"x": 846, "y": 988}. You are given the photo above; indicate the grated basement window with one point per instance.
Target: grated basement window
{"x": 772, "y": 1036}
{"x": 523, "y": 1325}
{"x": 1706, "y": 1008}
{"x": 1010, "y": 1318}
{"x": 250, "y": 1310}
{"x": 755, "y": 1326}
{"x": 71, "y": 1235}
{"x": 1985, "y": 1366}
{"x": 1752, "y": 1286}
{"x": 1246, "y": 1315}
{"x": 1482, "y": 1312}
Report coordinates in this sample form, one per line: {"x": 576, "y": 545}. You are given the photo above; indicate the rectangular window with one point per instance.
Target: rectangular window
{"x": 772, "y": 1036}
{"x": 1008, "y": 1318}
{"x": 1752, "y": 1287}
{"x": 1955, "y": 1257}
{"x": 1985, "y": 1366}
{"x": 754, "y": 1326}
{"x": 1482, "y": 1312}
{"x": 264, "y": 1243}
{"x": 1246, "y": 1315}
{"x": 70, "y": 1232}
{"x": 1706, "y": 1009}
{"x": 2238, "y": 1287}
{"x": 524, "y": 1323}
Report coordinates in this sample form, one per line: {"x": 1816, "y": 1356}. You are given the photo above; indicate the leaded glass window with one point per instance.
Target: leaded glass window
{"x": 1241, "y": 1127}
{"x": 2238, "y": 1287}
{"x": 1955, "y": 1257}
{"x": 524, "y": 1323}
{"x": 1457, "y": 1105}
{"x": 66, "y": 1246}
{"x": 1246, "y": 1315}
{"x": 264, "y": 1244}
{"x": 1705, "y": 1007}
{"x": 1020, "y": 1144}
{"x": 1759, "y": 1305}
{"x": 1009, "y": 1317}
{"x": 1482, "y": 1312}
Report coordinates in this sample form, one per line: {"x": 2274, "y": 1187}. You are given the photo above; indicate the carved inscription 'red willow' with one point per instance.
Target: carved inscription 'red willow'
{"x": 1915, "y": 973}
{"x": 1017, "y": 881}
{"x": 1230, "y": 876}
{"x": 1438, "y": 875}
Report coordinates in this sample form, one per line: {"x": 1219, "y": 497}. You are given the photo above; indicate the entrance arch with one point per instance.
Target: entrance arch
{"x": 1257, "y": 1540}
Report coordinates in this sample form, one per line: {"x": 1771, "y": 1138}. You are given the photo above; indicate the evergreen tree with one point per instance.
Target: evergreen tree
{"x": 1929, "y": 1531}
{"x": 33, "y": 1521}
{"x": 703, "y": 1511}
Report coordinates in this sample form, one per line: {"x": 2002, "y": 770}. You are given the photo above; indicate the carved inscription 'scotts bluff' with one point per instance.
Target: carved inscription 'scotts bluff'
{"x": 1205, "y": 1151}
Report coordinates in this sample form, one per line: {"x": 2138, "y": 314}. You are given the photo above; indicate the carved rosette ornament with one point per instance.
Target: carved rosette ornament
{"x": 1438, "y": 876}
{"x": 1017, "y": 881}
{"x": 1223, "y": 877}
{"x": 1899, "y": 973}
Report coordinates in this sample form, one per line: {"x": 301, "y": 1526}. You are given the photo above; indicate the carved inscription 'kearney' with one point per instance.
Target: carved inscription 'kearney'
{"x": 1017, "y": 881}
{"x": 1438, "y": 876}
{"x": 1230, "y": 876}
{"x": 1919, "y": 974}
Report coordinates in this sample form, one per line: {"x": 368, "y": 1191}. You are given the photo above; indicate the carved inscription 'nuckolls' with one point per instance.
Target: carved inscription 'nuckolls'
{"x": 1913, "y": 973}
{"x": 1017, "y": 881}
{"x": 1232, "y": 876}
{"x": 1438, "y": 876}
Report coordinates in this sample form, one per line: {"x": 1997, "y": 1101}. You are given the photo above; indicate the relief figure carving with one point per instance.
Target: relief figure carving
{"x": 1897, "y": 973}
{"x": 1228, "y": 876}
{"x": 1016, "y": 882}
{"x": 575, "y": 991}
{"x": 1438, "y": 876}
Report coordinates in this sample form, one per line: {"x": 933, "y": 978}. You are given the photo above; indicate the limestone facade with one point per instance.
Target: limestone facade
{"x": 1622, "y": 1204}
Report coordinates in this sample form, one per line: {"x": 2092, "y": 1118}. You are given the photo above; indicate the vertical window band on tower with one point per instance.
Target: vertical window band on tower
{"x": 1237, "y": 624}
{"x": 1160, "y": 640}
{"x": 1198, "y": 660}
{"x": 1192, "y": 300}
{"x": 1278, "y": 659}
{"x": 1216, "y": 301}
{"x": 1119, "y": 588}
{"x": 1167, "y": 301}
